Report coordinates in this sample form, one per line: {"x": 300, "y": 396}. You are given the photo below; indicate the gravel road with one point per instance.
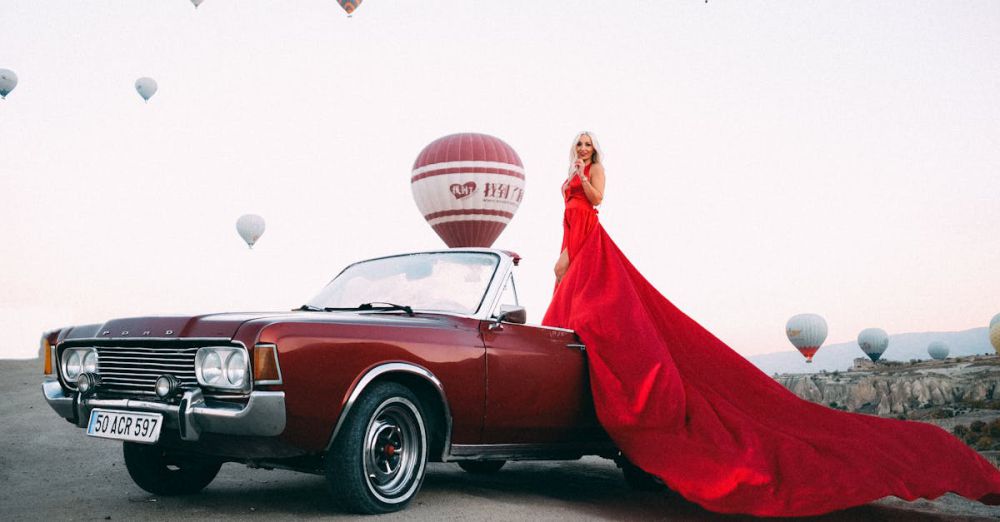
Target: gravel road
{"x": 51, "y": 470}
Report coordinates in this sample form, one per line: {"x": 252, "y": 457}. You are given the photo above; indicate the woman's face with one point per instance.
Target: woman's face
{"x": 585, "y": 148}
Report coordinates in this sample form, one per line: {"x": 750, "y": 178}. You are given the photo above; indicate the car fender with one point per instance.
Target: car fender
{"x": 396, "y": 367}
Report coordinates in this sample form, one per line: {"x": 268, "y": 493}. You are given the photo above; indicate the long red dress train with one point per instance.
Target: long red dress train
{"x": 685, "y": 407}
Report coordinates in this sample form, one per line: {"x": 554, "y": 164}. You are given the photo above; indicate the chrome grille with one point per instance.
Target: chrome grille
{"x": 135, "y": 369}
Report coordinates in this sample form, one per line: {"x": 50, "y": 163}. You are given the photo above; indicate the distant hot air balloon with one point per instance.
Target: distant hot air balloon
{"x": 146, "y": 87}
{"x": 197, "y": 3}
{"x": 349, "y": 5}
{"x": 807, "y": 333}
{"x": 873, "y": 341}
{"x": 8, "y": 80}
{"x": 250, "y": 227}
{"x": 468, "y": 187}
{"x": 937, "y": 350}
{"x": 995, "y": 332}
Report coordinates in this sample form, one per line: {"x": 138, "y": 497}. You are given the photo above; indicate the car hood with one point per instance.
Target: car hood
{"x": 170, "y": 327}
{"x": 226, "y": 325}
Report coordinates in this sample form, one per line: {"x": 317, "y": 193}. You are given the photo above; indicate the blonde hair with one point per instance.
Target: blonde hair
{"x": 598, "y": 156}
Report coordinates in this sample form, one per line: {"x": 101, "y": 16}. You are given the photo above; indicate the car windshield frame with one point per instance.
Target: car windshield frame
{"x": 316, "y": 302}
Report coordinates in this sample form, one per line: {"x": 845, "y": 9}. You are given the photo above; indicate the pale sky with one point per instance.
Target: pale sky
{"x": 763, "y": 158}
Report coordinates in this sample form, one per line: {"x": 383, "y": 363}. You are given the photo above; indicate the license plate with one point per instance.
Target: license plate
{"x": 125, "y": 425}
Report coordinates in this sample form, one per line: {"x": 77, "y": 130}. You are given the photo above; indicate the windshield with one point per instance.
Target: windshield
{"x": 444, "y": 281}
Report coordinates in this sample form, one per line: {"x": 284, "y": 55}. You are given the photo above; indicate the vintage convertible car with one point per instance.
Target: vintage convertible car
{"x": 398, "y": 361}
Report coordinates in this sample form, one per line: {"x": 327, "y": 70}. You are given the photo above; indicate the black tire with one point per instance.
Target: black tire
{"x": 385, "y": 428}
{"x": 167, "y": 473}
{"x": 481, "y": 467}
{"x": 638, "y": 479}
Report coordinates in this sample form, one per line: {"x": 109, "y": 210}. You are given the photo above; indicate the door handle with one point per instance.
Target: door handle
{"x": 577, "y": 346}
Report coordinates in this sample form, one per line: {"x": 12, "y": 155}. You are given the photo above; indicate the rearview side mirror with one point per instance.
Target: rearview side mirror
{"x": 513, "y": 314}
{"x": 510, "y": 314}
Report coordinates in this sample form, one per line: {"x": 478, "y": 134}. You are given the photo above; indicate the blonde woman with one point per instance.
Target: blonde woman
{"x": 582, "y": 191}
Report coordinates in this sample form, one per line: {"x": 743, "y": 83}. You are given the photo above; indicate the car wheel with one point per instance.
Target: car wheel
{"x": 377, "y": 463}
{"x": 166, "y": 473}
{"x": 638, "y": 479}
{"x": 481, "y": 467}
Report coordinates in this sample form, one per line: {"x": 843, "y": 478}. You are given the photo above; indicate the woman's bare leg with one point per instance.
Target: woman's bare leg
{"x": 562, "y": 265}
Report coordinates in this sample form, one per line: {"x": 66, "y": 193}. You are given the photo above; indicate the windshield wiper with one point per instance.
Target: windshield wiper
{"x": 375, "y": 306}
{"x": 308, "y": 308}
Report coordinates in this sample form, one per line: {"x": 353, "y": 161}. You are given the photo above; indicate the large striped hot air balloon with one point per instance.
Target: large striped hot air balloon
{"x": 468, "y": 187}
{"x": 995, "y": 332}
{"x": 873, "y": 341}
{"x": 807, "y": 333}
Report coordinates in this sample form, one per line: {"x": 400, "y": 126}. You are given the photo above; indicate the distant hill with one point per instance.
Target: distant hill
{"x": 902, "y": 347}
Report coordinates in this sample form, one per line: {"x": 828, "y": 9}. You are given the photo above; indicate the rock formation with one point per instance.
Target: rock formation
{"x": 899, "y": 389}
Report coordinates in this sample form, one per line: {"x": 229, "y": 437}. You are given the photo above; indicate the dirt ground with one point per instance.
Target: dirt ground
{"x": 50, "y": 470}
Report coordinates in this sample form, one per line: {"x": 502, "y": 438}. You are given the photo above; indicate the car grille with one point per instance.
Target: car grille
{"x": 135, "y": 370}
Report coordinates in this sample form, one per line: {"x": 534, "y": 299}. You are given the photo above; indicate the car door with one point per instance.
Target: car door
{"x": 537, "y": 386}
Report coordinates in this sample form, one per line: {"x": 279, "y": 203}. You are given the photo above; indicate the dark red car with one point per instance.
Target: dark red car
{"x": 398, "y": 361}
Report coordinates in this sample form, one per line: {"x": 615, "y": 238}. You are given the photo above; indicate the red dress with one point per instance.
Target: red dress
{"x": 580, "y": 215}
{"x": 685, "y": 407}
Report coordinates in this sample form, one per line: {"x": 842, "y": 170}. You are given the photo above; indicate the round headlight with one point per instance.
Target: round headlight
{"x": 87, "y": 383}
{"x": 236, "y": 368}
{"x": 211, "y": 368}
{"x": 83, "y": 383}
{"x": 90, "y": 362}
{"x": 73, "y": 365}
{"x": 166, "y": 385}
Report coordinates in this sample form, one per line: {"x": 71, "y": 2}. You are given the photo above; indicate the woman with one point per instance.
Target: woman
{"x": 582, "y": 191}
{"x": 682, "y": 405}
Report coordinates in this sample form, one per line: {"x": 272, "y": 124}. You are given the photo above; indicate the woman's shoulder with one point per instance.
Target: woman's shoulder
{"x": 596, "y": 168}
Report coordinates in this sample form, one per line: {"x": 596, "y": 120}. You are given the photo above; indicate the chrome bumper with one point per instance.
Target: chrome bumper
{"x": 263, "y": 415}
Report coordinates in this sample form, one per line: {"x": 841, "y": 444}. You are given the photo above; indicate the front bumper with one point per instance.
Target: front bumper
{"x": 262, "y": 415}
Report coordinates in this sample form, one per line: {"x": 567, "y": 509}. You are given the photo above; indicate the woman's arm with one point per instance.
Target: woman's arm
{"x": 593, "y": 186}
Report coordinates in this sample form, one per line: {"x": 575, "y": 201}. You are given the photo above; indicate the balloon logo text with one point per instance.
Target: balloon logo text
{"x": 503, "y": 193}
{"x": 463, "y": 191}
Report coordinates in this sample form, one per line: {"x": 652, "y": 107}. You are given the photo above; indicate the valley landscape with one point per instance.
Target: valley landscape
{"x": 961, "y": 394}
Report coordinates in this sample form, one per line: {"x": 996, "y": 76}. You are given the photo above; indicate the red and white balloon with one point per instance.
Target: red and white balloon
{"x": 468, "y": 187}
{"x": 807, "y": 333}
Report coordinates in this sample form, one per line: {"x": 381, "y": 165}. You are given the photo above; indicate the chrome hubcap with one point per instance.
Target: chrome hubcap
{"x": 393, "y": 449}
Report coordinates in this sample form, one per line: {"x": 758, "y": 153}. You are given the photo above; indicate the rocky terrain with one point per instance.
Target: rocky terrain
{"x": 952, "y": 392}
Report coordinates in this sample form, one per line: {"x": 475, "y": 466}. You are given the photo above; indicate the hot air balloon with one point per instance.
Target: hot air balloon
{"x": 197, "y": 3}
{"x": 995, "y": 333}
{"x": 146, "y": 87}
{"x": 250, "y": 227}
{"x": 8, "y": 80}
{"x": 468, "y": 187}
{"x": 873, "y": 341}
{"x": 807, "y": 333}
{"x": 349, "y": 5}
{"x": 937, "y": 350}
